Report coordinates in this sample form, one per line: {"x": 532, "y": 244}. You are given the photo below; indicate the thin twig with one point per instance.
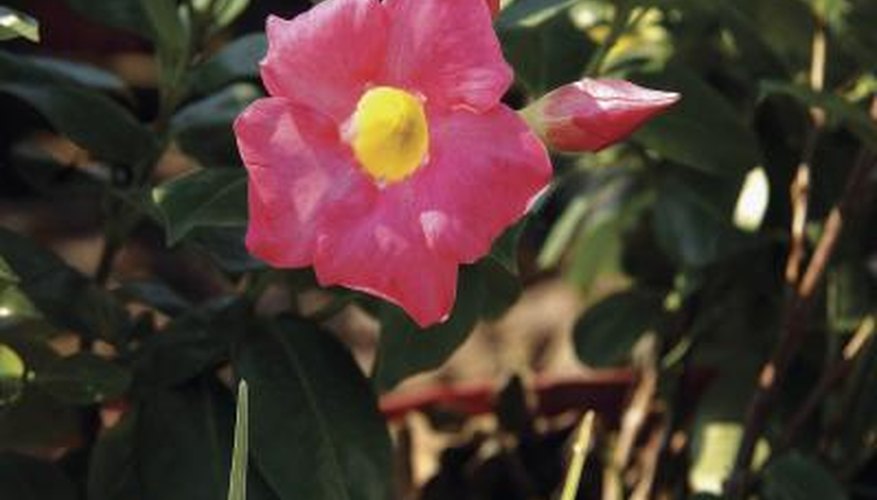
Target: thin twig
{"x": 834, "y": 374}
{"x": 800, "y": 188}
{"x": 795, "y": 324}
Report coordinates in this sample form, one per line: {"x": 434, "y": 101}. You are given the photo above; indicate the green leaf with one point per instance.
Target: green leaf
{"x": 855, "y": 118}
{"x": 203, "y": 128}
{"x": 703, "y": 131}
{"x": 405, "y": 349}
{"x": 543, "y": 45}
{"x": 239, "y": 60}
{"x": 7, "y": 275}
{"x": 691, "y": 227}
{"x": 226, "y": 11}
{"x": 855, "y": 31}
{"x": 607, "y": 331}
{"x": 168, "y": 32}
{"x": 797, "y": 477}
{"x": 83, "y": 379}
{"x": 190, "y": 344}
{"x": 225, "y": 246}
{"x": 237, "y": 483}
{"x": 505, "y": 248}
{"x": 11, "y": 375}
{"x": 80, "y": 73}
{"x": 214, "y": 197}
{"x": 597, "y": 250}
{"x": 28, "y": 478}
{"x": 524, "y": 13}
{"x": 36, "y": 420}
{"x": 315, "y": 428}
{"x": 92, "y": 120}
{"x": 14, "y": 24}
{"x": 68, "y": 299}
{"x": 174, "y": 444}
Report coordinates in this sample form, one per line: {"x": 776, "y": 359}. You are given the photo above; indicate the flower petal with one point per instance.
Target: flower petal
{"x": 382, "y": 252}
{"x": 326, "y": 56}
{"x": 447, "y": 50}
{"x": 589, "y": 115}
{"x": 297, "y": 165}
{"x": 483, "y": 172}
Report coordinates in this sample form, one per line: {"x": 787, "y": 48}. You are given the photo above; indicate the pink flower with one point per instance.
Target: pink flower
{"x": 383, "y": 157}
{"x": 589, "y": 115}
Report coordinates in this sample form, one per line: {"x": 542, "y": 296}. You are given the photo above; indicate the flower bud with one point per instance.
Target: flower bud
{"x": 590, "y": 114}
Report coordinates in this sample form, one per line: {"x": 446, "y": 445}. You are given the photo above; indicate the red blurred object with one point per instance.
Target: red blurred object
{"x": 605, "y": 391}
{"x": 65, "y": 31}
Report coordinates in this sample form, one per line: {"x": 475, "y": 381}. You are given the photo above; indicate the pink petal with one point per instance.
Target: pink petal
{"x": 382, "y": 252}
{"x": 446, "y": 50}
{"x": 296, "y": 166}
{"x": 484, "y": 170}
{"x": 589, "y": 115}
{"x": 325, "y": 57}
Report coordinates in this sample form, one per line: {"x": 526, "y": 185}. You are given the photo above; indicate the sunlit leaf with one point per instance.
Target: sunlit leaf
{"x": 607, "y": 331}
{"x": 15, "y": 24}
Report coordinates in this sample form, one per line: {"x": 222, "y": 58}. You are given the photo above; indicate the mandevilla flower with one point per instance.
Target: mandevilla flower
{"x": 383, "y": 156}
{"x": 590, "y": 114}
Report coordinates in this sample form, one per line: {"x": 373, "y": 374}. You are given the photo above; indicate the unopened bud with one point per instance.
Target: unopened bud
{"x": 591, "y": 114}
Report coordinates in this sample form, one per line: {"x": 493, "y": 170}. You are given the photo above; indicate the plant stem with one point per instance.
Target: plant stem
{"x": 834, "y": 374}
{"x": 774, "y": 371}
{"x": 800, "y": 189}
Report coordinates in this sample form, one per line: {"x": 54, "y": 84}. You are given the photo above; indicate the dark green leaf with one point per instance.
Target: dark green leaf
{"x": 14, "y": 24}
{"x": 68, "y": 299}
{"x": 189, "y": 345}
{"x": 173, "y": 445}
{"x": 545, "y": 48}
{"x": 607, "y": 331}
{"x": 90, "y": 119}
{"x": 692, "y": 228}
{"x": 203, "y": 128}
{"x": 83, "y": 379}
{"x": 7, "y": 275}
{"x": 505, "y": 248}
{"x": 703, "y": 131}
{"x": 405, "y": 349}
{"x": 315, "y": 428}
{"x": 225, "y": 245}
{"x": 239, "y": 60}
{"x": 169, "y": 33}
{"x": 796, "y": 477}
{"x": 80, "y": 73}
{"x": 855, "y": 30}
{"x": 855, "y": 118}
{"x": 36, "y": 420}
{"x": 27, "y": 478}
{"x": 214, "y": 197}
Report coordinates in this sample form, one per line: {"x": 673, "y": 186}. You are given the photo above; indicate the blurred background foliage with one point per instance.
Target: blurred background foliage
{"x": 726, "y": 256}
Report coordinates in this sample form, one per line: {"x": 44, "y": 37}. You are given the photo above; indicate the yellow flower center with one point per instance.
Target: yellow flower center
{"x": 390, "y": 136}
